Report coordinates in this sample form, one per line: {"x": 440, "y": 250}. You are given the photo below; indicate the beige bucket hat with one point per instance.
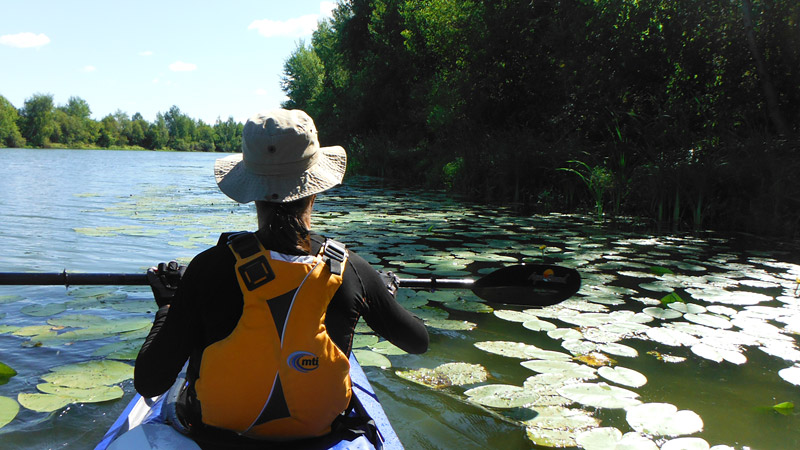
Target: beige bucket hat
{"x": 281, "y": 160}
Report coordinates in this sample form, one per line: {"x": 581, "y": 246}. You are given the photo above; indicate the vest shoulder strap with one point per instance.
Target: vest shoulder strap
{"x": 245, "y": 244}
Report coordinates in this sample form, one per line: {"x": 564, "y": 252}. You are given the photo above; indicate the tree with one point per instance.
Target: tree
{"x": 229, "y": 135}
{"x": 77, "y": 107}
{"x": 73, "y": 124}
{"x": 157, "y": 135}
{"x": 37, "y": 119}
{"x": 303, "y": 75}
{"x": 9, "y": 132}
{"x": 111, "y": 130}
{"x": 181, "y": 129}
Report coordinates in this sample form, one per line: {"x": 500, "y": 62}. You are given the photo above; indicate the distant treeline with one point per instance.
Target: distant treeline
{"x": 39, "y": 123}
{"x": 683, "y": 112}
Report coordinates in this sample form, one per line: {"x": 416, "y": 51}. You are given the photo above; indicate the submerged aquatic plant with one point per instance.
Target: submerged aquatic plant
{"x": 784, "y": 408}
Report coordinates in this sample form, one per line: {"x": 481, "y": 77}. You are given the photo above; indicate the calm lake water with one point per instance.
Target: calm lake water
{"x": 722, "y": 358}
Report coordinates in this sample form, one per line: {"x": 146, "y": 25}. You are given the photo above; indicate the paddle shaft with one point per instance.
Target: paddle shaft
{"x": 136, "y": 279}
{"x": 73, "y": 279}
{"x": 528, "y": 285}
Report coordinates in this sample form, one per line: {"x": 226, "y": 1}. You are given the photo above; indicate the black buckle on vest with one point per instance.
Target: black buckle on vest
{"x": 256, "y": 273}
{"x": 334, "y": 255}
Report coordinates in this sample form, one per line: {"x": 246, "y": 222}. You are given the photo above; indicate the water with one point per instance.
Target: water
{"x": 113, "y": 211}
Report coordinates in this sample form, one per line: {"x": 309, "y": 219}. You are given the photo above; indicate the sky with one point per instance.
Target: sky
{"x": 212, "y": 59}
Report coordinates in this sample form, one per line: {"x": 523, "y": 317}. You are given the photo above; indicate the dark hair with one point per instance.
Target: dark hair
{"x": 281, "y": 226}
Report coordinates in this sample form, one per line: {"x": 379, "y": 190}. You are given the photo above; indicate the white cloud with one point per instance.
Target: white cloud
{"x": 89, "y": 68}
{"x": 326, "y": 9}
{"x": 295, "y": 27}
{"x": 299, "y": 26}
{"x": 24, "y": 40}
{"x": 146, "y": 53}
{"x": 180, "y": 66}
{"x": 261, "y": 91}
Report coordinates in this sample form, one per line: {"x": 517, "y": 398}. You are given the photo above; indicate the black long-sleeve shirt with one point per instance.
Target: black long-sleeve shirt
{"x": 208, "y": 304}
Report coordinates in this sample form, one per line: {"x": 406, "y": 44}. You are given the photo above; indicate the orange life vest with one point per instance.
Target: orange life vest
{"x": 278, "y": 375}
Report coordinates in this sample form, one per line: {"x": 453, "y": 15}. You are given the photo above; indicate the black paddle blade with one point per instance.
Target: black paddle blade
{"x": 528, "y": 285}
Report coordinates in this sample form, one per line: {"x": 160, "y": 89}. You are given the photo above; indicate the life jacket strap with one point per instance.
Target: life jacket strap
{"x": 334, "y": 253}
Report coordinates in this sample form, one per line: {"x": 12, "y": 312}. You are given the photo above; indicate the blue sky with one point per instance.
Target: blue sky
{"x": 211, "y": 59}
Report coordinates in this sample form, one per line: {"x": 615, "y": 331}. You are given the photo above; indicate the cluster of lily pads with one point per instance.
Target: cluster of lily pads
{"x": 673, "y": 299}
{"x": 83, "y": 317}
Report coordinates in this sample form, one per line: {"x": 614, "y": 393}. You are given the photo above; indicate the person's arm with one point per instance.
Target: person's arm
{"x": 384, "y": 315}
{"x": 167, "y": 346}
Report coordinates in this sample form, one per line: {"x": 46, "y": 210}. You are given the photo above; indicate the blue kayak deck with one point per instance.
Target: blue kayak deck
{"x": 149, "y": 411}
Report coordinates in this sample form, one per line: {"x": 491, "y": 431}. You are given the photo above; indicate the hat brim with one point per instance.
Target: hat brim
{"x": 243, "y": 186}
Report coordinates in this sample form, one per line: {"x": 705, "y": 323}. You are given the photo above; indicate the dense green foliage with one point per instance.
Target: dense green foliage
{"x": 39, "y": 123}
{"x": 686, "y": 113}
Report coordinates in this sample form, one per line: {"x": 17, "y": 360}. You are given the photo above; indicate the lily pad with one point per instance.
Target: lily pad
{"x": 76, "y": 320}
{"x": 364, "y": 340}
{"x": 661, "y": 313}
{"x": 124, "y": 350}
{"x": 450, "y": 325}
{"x": 514, "y": 316}
{"x": 565, "y": 333}
{"x": 9, "y": 408}
{"x": 8, "y": 329}
{"x": 609, "y": 438}
{"x": 570, "y": 369}
{"x": 663, "y": 419}
{"x": 10, "y": 298}
{"x": 139, "y": 306}
{"x": 370, "y": 358}
{"x": 427, "y": 313}
{"x": 687, "y": 308}
{"x": 600, "y": 395}
{"x": 509, "y": 349}
{"x": 89, "y": 374}
{"x": 558, "y": 418}
{"x": 468, "y": 306}
{"x": 672, "y": 337}
{"x": 387, "y": 348}
{"x": 618, "y": 349}
{"x": 99, "y": 331}
{"x": 501, "y": 396}
{"x": 43, "y": 402}
{"x": 623, "y": 376}
{"x": 92, "y": 395}
{"x": 48, "y": 309}
{"x": 450, "y": 374}
{"x": 539, "y": 325}
{"x": 709, "y": 320}
{"x": 551, "y": 438}
{"x": 32, "y": 330}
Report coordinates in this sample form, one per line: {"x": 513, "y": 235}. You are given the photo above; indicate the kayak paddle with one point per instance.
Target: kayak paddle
{"x": 524, "y": 284}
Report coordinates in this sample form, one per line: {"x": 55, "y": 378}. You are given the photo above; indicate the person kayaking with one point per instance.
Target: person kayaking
{"x": 266, "y": 319}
